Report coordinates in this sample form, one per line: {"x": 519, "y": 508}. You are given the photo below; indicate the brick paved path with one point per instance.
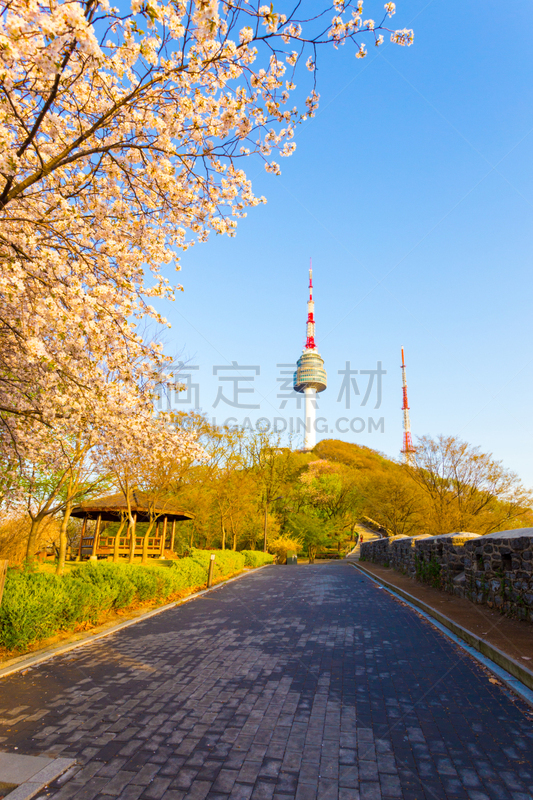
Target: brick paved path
{"x": 295, "y": 682}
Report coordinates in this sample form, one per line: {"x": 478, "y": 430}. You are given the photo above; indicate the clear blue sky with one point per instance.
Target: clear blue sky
{"x": 412, "y": 190}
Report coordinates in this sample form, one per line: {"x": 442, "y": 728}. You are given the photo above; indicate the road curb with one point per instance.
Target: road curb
{"x": 29, "y": 661}
{"x": 32, "y": 786}
{"x": 513, "y": 674}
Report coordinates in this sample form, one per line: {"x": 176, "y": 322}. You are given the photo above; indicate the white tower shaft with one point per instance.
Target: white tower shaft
{"x": 310, "y": 418}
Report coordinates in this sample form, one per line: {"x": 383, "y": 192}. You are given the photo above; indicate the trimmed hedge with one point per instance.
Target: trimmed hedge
{"x": 226, "y": 561}
{"x": 38, "y": 605}
{"x": 256, "y": 558}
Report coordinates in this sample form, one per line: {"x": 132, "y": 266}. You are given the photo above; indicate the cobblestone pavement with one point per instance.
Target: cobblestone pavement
{"x": 303, "y": 682}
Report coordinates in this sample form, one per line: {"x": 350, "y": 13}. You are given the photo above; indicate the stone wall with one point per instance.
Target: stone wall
{"x": 499, "y": 572}
{"x": 403, "y": 554}
{"x": 439, "y": 560}
{"x": 399, "y": 553}
{"x": 495, "y": 570}
{"x": 377, "y": 551}
{"x": 394, "y": 551}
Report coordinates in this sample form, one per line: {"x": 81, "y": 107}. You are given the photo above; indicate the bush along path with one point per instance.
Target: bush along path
{"x": 36, "y": 605}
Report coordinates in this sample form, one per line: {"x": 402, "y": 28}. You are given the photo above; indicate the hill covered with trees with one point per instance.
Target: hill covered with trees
{"x": 249, "y": 491}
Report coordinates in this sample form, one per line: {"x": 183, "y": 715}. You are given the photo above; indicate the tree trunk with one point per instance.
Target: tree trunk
{"x": 133, "y": 535}
{"x": 116, "y": 553}
{"x": 82, "y": 535}
{"x": 265, "y": 524}
{"x": 32, "y": 540}
{"x": 145, "y": 542}
{"x": 311, "y": 552}
{"x": 63, "y": 539}
{"x": 223, "y": 533}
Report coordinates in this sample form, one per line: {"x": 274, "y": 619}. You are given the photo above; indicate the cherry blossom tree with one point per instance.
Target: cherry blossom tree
{"x": 122, "y": 135}
{"x": 52, "y": 481}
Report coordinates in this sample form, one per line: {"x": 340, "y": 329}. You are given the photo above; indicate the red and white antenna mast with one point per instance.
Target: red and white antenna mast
{"x": 310, "y": 340}
{"x": 408, "y": 448}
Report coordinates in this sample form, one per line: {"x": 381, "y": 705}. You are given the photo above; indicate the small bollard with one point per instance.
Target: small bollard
{"x": 210, "y": 573}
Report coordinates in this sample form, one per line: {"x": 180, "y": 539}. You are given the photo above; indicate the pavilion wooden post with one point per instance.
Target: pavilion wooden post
{"x": 83, "y": 528}
{"x": 133, "y": 539}
{"x": 96, "y": 535}
{"x": 173, "y": 535}
{"x": 163, "y": 538}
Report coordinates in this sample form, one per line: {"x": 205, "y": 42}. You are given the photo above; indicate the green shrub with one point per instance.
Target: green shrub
{"x": 37, "y": 605}
{"x": 256, "y": 558}
{"x": 226, "y": 561}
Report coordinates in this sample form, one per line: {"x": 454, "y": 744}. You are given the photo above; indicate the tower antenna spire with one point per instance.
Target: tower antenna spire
{"x": 310, "y": 376}
{"x": 408, "y": 448}
{"x": 310, "y": 340}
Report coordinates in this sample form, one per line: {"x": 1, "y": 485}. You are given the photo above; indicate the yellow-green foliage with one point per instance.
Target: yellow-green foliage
{"x": 283, "y": 545}
{"x": 256, "y": 558}
{"x": 38, "y": 605}
{"x": 354, "y": 455}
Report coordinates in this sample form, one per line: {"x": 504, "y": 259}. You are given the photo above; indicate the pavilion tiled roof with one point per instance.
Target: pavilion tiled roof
{"x": 113, "y": 506}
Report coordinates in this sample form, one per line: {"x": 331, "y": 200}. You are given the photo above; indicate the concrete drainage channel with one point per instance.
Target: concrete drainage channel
{"x": 22, "y": 777}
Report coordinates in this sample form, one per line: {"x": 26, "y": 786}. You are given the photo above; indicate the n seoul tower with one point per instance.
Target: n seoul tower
{"x": 310, "y": 376}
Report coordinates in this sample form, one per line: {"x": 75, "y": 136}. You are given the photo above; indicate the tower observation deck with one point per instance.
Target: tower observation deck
{"x": 310, "y": 376}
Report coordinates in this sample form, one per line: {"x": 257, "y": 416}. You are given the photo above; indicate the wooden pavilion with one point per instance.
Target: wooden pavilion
{"x": 113, "y": 508}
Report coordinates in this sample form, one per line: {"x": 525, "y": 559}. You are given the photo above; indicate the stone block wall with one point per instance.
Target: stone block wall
{"x": 403, "y": 554}
{"x": 495, "y": 570}
{"x": 366, "y": 551}
{"x": 380, "y": 551}
{"x": 499, "y": 572}
{"x": 439, "y": 560}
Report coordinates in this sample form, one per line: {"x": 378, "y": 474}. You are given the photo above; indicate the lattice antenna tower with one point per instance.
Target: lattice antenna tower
{"x": 408, "y": 448}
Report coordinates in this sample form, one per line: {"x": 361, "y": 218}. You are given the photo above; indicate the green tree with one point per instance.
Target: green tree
{"x": 312, "y": 530}
{"x": 466, "y": 488}
{"x": 396, "y": 502}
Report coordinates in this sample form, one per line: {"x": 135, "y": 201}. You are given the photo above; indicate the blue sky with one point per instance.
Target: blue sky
{"x": 412, "y": 190}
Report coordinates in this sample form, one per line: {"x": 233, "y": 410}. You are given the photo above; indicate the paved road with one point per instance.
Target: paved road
{"x": 295, "y": 682}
